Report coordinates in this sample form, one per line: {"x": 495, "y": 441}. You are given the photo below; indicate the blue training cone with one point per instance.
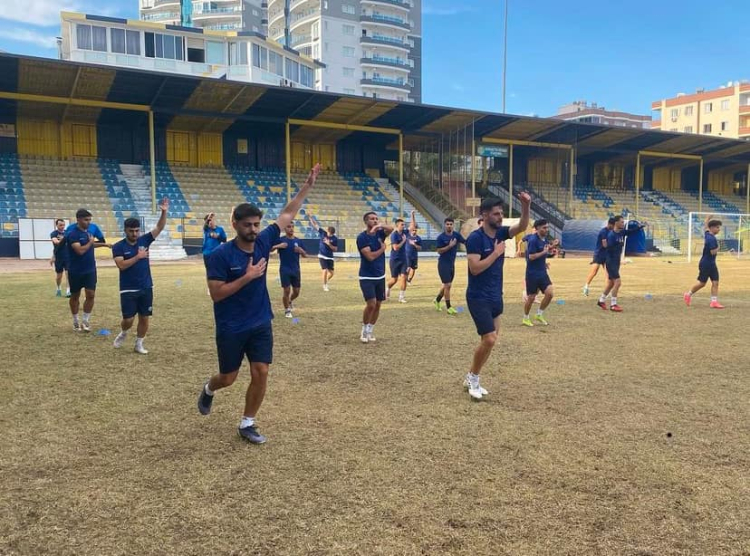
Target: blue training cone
{"x": 178, "y": 283}
{"x": 103, "y": 332}
{"x": 649, "y": 297}
{"x": 295, "y": 321}
{"x": 460, "y": 309}
{"x": 561, "y": 302}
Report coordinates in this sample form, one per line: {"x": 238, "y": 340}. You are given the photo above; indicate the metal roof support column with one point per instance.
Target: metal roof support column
{"x": 401, "y": 172}
{"x": 747, "y": 190}
{"x": 152, "y": 158}
{"x": 637, "y": 183}
{"x": 288, "y": 148}
{"x": 700, "y": 187}
{"x": 510, "y": 181}
{"x": 571, "y": 178}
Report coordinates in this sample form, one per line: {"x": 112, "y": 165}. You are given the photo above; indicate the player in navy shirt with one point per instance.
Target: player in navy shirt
{"x": 59, "y": 255}
{"x": 600, "y": 254}
{"x": 136, "y": 287}
{"x": 485, "y": 254}
{"x": 81, "y": 238}
{"x": 615, "y": 244}
{"x": 329, "y": 244}
{"x": 413, "y": 247}
{"x": 242, "y": 309}
{"x": 537, "y": 278}
{"x": 447, "y": 246}
{"x": 371, "y": 247}
{"x": 289, "y": 249}
{"x": 397, "y": 262}
{"x": 707, "y": 269}
{"x": 213, "y": 236}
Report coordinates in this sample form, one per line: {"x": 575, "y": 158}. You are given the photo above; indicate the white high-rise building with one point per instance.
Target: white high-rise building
{"x": 217, "y": 15}
{"x": 370, "y": 48}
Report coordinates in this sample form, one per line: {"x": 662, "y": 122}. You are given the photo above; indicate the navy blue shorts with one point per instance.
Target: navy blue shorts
{"x": 447, "y": 272}
{"x": 398, "y": 267}
{"x": 61, "y": 265}
{"x": 80, "y": 282}
{"x": 537, "y": 283}
{"x": 288, "y": 279}
{"x": 484, "y": 313}
{"x": 373, "y": 289}
{"x": 256, "y": 344}
{"x": 326, "y": 264}
{"x": 613, "y": 269}
{"x": 205, "y": 260}
{"x": 708, "y": 272}
{"x": 137, "y": 303}
{"x": 413, "y": 263}
{"x": 599, "y": 259}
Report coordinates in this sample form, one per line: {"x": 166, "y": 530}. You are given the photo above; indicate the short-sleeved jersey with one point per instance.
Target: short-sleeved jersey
{"x": 398, "y": 254}
{"x": 324, "y": 251}
{"x": 249, "y": 307}
{"x": 443, "y": 240}
{"x": 371, "y": 270}
{"x": 535, "y": 244}
{"x": 710, "y": 243}
{"x": 600, "y": 237}
{"x": 211, "y": 243}
{"x": 412, "y": 253}
{"x": 59, "y": 251}
{"x": 615, "y": 243}
{"x": 86, "y": 263}
{"x": 288, "y": 257}
{"x": 487, "y": 285}
{"x": 138, "y": 276}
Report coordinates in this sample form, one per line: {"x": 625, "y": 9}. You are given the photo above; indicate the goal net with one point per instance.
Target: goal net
{"x": 734, "y": 237}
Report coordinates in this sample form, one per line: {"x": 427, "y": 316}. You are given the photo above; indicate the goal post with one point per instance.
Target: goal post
{"x": 734, "y": 237}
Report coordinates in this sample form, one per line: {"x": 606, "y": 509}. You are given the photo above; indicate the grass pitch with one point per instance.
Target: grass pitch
{"x": 602, "y": 434}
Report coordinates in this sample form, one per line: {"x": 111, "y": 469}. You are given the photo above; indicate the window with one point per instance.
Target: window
{"x": 255, "y": 13}
{"x": 306, "y": 76}
{"x": 688, "y": 129}
{"x": 162, "y": 46}
{"x": 348, "y": 9}
{"x": 348, "y": 52}
{"x": 348, "y": 29}
{"x": 400, "y": 98}
{"x": 725, "y": 104}
{"x": 315, "y": 30}
{"x": 725, "y": 125}
{"x": 260, "y": 56}
{"x": 708, "y": 107}
{"x": 674, "y": 113}
{"x": 134, "y": 43}
{"x": 349, "y": 91}
{"x": 316, "y": 51}
{"x": 688, "y": 110}
{"x": 238, "y": 54}
{"x": 411, "y": 83}
{"x": 214, "y": 52}
{"x": 117, "y": 39}
{"x": 348, "y": 72}
{"x": 255, "y": 28}
{"x": 91, "y": 37}
{"x": 706, "y": 128}
{"x": 83, "y": 37}
{"x": 292, "y": 70}
{"x": 674, "y": 130}
{"x": 99, "y": 38}
{"x": 276, "y": 63}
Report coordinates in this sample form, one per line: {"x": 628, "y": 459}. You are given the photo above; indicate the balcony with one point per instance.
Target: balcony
{"x": 382, "y": 61}
{"x": 299, "y": 39}
{"x": 301, "y": 18}
{"x": 160, "y": 16}
{"x": 656, "y": 124}
{"x": 390, "y": 3}
{"x": 160, "y": 3}
{"x": 381, "y": 40}
{"x": 221, "y": 12}
{"x": 386, "y": 20}
{"x": 385, "y": 82}
{"x": 744, "y": 131}
{"x": 745, "y": 109}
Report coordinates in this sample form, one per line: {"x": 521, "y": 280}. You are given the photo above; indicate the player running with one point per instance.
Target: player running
{"x": 615, "y": 244}
{"x": 290, "y": 249}
{"x": 485, "y": 249}
{"x": 329, "y": 244}
{"x": 397, "y": 262}
{"x": 537, "y": 278}
{"x": 136, "y": 286}
{"x": 413, "y": 247}
{"x": 371, "y": 247}
{"x": 600, "y": 254}
{"x": 707, "y": 268}
{"x": 242, "y": 308}
{"x": 447, "y": 246}
{"x": 59, "y": 256}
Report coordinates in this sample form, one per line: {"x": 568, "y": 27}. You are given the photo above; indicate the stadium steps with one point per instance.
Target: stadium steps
{"x": 13, "y": 203}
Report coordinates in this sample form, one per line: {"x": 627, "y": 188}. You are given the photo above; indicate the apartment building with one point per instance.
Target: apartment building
{"x": 582, "y": 111}
{"x": 217, "y": 15}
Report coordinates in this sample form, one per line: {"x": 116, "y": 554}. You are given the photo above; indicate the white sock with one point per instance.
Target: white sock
{"x": 247, "y": 422}
{"x": 139, "y": 341}
{"x": 58, "y": 289}
{"x": 75, "y": 318}
{"x": 614, "y": 301}
{"x": 539, "y": 312}
{"x": 123, "y": 334}
{"x": 368, "y": 328}
{"x": 602, "y": 298}
{"x": 401, "y": 294}
{"x": 473, "y": 379}
{"x": 364, "y": 328}
{"x": 714, "y": 298}
{"x": 207, "y": 391}
{"x": 86, "y": 317}
{"x": 526, "y": 316}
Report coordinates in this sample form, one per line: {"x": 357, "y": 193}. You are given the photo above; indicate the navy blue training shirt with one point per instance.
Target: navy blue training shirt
{"x": 400, "y": 254}
{"x": 325, "y": 252}
{"x": 412, "y": 253}
{"x": 288, "y": 257}
{"x": 487, "y": 285}
{"x": 710, "y": 242}
{"x": 86, "y": 263}
{"x": 371, "y": 270}
{"x": 535, "y": 244}
{"x": 211, "y": 243}
{"x": 138, "y": 276}
{"x": 443, "y": 240}
{"x": 59, "y": 251}
{"x": 601, "y": 236}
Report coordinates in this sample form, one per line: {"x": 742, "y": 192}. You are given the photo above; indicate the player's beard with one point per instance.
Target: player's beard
{"x": 250, "y": 237}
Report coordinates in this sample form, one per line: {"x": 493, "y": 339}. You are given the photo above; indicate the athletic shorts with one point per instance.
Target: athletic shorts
{"x": 61, "y": 265}
{"x": 398, "y": 267}
{"x": 613, "y": 269}
{"x": 413, "y": 263}
{"x": 256, "y": 344}
{"x": 205, "y": 260}
{"x": 137, "y": 303}
{"x": 326, "y": 264}
{"x": 484, "y": 313}
{"x": 80, "y": 282}
{"x": 599, "y": 259}
{"x": 708, "y": 272}
{"x": 537, "y": 283}
{"x": 447, "y": 272}
{"x": 373, "y": 289}
{"x": 288, "y": 279}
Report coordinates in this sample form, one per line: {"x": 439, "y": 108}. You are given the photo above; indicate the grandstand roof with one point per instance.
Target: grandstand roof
{"x": 82, "y": 91}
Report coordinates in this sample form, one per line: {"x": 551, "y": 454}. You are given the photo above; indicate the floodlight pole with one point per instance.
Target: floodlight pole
{"x": 288, "y": 146}
{"x": 505, "y": 51}
{"x": 571, "y": 184}
{"x": 700, "y": 187}
{"x": 637, "y": 182}
{"x": 401, "y": 172}
{"x": 510, "y": 181}
{"x": 473, "y": 157}
{"x": 152, "y": 158}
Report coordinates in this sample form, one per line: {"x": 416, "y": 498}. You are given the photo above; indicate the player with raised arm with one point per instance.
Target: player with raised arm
{"x": 82, "y": 238}
{"x": 615, "y": 244}
{"x": 485, "y": 253}
{"x": 538, "y": 249}
{"x": 600, "y": 254}
{"x": 371, "y": 247}
{"x": 59, "y": 256}
{"x": 213, "y": 236}
{"x": 136, "y": 285}
{"x": 397, "y": 262}
{"x": 329, "y": 244}
{"x": 413, "y": 247}
{"x": 290, "y": 250}
{"x": 242, "y": 308}
{"x": 707, "y": 268}
{"x": 447, "y": 246}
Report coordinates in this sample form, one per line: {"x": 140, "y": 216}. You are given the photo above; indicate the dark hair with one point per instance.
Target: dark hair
{"x": 399, "y": 220}
{"x": 616, "y": 219}
{"x": 205, "y": 218}
{"x": 58, "y": 220}
{"x": 714, "y": 222}
{"x": 364, "y": 218}
{"x": 449, "y": 219}
{"x": 490, "y": 203}
{"x": 82, "y": 213}
{"x": 131, "y": 223}
{"x": 539, "y": 223}
{"x": 331, "y": 230}
{"x": 246, "y": 210}
{"x": 611, "y": 221}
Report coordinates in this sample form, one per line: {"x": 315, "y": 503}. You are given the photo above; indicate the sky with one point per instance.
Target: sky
{"x": 622, "y": 55}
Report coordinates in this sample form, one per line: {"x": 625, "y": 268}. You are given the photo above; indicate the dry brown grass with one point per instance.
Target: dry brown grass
{"x": 376, "y": 449}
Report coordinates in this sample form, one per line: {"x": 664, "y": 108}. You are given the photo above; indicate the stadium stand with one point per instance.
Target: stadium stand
{"x": 12, "y": 198}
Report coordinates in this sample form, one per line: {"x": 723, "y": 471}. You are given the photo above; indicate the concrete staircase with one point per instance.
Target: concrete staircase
{"x": 166, "y": 247}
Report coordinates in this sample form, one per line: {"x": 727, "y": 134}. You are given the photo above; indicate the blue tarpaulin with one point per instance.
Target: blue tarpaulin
{"x": 580, "y": 235}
